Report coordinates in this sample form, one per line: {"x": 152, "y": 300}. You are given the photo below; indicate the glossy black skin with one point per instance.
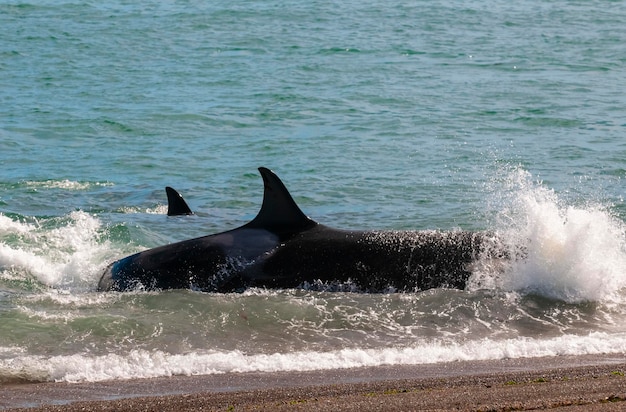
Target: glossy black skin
{"x": 209, "y": 263}
{"x": 176, "y": 205}
{"x": 371, "y": 261}
{"x": 282, "y": 248}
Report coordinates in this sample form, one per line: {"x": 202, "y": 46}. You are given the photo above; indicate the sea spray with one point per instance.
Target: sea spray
{"x": 546, "y": 301}
{"x": 574, "y": 253}
{"x": 400, "y": 146}
{"x": 61, "y": 252}
{"x": 83, "y": 367}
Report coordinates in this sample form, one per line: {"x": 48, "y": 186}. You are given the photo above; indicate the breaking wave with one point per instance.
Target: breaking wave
{"x": 560, "y": 295}
{"x": 62, "y": 252}
{"x": 574, "y": 253}
{"x": 150, "y": 364}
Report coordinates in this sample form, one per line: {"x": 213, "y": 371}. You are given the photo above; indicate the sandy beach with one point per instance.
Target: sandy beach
{"x": 567, "y": 383}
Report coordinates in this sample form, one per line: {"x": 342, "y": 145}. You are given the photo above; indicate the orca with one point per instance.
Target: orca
{"x": 176, "y": 205}
{"x": 283, "y": 248}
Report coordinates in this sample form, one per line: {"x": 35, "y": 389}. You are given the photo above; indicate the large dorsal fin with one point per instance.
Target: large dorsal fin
{"x": 279, "y": 212}
{"x": 176, "y": 205}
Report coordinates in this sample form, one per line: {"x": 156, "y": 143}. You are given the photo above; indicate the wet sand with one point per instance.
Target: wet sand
{"x": 567, "y": 383}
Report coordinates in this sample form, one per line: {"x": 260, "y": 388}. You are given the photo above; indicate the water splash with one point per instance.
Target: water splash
{"x": 574, "y": 253}
{"x": 56, "y": 252}
{"x": 139, "y": 363}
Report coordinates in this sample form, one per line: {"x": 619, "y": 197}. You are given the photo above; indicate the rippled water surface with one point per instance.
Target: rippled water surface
{"x": 416, "y": 115}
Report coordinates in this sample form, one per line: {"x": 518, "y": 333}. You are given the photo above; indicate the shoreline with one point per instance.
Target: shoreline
{"x": 592, "y": 382}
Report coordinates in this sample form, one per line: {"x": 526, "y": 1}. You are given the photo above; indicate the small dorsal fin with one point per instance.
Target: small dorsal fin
{"x": 279, "y": 212}
{"x": 176, "y": 205}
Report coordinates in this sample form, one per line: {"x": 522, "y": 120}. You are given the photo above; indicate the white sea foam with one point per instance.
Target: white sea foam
{"x": 568, "y": 252}
{"x": 64, "y": 184}
{"x": 9, "y": 227}
{"x": 12, "y": 350}
{"x": 68, "y": 298}
{"x": 571, "y": 252}
{"x": 65, "y": 316}
{"x": 149, "y": 364}
{"x": 63, "y": 253}
{"x": 157, "y": 210}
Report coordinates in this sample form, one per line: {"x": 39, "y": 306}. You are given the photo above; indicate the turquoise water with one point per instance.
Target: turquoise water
{"x": 478, "y": 115}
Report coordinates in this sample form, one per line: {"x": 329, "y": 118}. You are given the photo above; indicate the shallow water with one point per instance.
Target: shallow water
{"x": 500, "y": 117}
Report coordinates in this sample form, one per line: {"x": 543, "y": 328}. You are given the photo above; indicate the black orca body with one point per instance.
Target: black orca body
{"x": 283, "y": 248}
{"x": 176, "y": 205}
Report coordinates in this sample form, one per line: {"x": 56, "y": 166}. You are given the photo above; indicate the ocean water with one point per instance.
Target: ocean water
{"x": 413, "y": 115}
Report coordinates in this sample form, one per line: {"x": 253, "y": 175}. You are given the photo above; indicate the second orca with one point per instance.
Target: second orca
{"x": 283, "y": 248}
